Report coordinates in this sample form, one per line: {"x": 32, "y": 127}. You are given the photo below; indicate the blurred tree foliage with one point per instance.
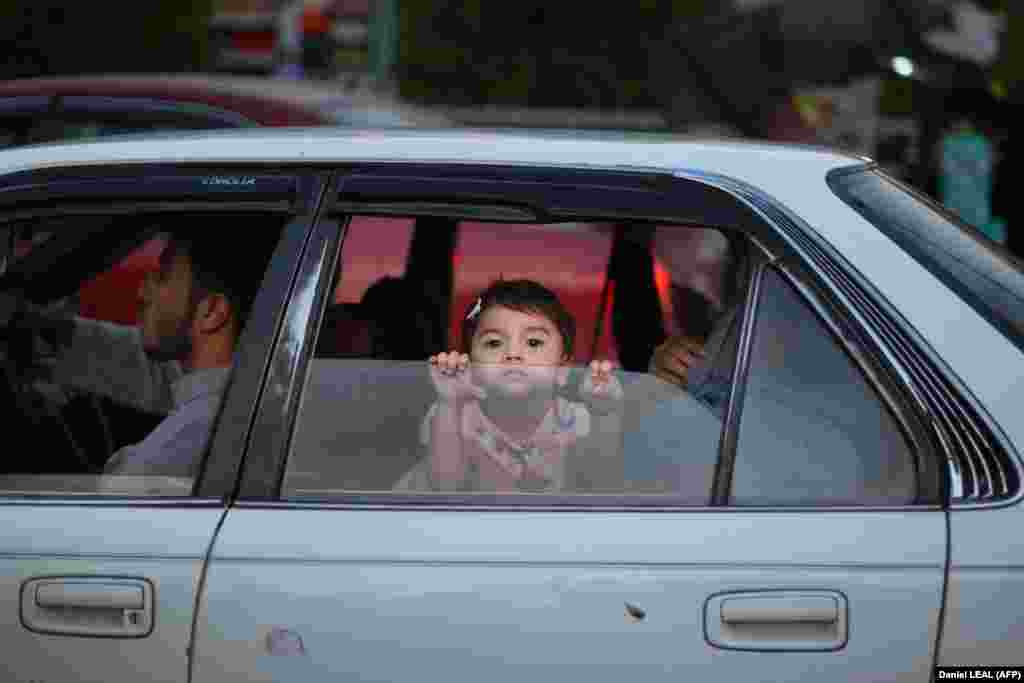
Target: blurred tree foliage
{"x": 66, "y": 37}
{"x": 533, "y": 52}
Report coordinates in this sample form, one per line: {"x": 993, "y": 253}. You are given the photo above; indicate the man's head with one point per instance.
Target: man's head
{"x": 193, "y": 308}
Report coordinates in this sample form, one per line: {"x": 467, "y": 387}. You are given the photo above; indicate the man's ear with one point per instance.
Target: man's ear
{"x": 213, "y": 313}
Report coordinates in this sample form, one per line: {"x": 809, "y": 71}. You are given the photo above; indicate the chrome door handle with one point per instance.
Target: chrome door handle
{"x": 88, "y": 606}
{"x": 775, "y": 620}
{"x": 770, "y": 609}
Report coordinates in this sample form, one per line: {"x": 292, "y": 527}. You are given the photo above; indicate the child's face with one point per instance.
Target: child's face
{"x": 516, "y": 353}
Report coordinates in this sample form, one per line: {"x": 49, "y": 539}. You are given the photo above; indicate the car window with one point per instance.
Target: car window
{"x": 985, "y": 275}
{"x": 813, "y": 431}
{"x": 375, "y": 414}
{"x": 108, "y": 384}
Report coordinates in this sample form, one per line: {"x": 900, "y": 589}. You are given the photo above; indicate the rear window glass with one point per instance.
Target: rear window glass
{"x": 531, "y": 305}
{"x": 985, "y": 275}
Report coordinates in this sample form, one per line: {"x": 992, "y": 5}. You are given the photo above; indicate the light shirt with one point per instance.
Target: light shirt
{"x": 175, "y": 447}
{"x": 497, "y": 462}
{"x": 108, "y": 360}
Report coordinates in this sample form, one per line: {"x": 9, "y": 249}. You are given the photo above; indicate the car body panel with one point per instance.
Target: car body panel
{"x": 378, "y": 594}
{"x": 162, "y": 544}
{"x": 983, "y": 623}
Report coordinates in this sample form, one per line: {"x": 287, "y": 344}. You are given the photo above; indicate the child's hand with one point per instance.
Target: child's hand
{"x": 449, "y": 372}
{"x": 601, "y": 389}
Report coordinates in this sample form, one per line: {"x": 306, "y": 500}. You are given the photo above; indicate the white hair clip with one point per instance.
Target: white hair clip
{"x": 476, "y": 309}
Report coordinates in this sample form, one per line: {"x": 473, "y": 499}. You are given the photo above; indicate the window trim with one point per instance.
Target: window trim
{"x": 234, "y": 452}
{"x": 274, "y": 414}
{"x": 724, "y": 467}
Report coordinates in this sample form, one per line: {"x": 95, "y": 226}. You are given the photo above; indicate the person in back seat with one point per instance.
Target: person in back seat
{"x": 344, "y": 333}
{"x": 705, "y": 271}
{"x": 675, "y": 422}
{"x": 399, "y": 318}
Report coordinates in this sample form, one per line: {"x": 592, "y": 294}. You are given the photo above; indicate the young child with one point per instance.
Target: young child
{"x": 499, "y": 424}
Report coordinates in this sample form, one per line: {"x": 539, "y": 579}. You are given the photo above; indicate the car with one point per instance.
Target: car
{"x": 828, "y": 491}
{"x": 48, "y": 109}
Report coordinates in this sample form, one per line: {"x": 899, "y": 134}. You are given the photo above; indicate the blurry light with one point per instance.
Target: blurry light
{"x": 903, "y": 66}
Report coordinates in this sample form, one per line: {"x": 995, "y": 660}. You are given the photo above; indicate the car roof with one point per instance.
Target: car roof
{"x": 756, "y": 163}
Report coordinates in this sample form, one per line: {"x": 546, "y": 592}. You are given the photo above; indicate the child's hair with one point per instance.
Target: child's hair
{"x": 525, "y": 296}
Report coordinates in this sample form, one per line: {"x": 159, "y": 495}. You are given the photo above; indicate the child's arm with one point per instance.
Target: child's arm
{"x": 449, "y": 372}
{"x": 447, "y": 464}
{"x": 599, "y": 466}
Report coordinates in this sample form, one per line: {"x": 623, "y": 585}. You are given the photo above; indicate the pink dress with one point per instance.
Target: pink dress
{"x": 497, "y": 462}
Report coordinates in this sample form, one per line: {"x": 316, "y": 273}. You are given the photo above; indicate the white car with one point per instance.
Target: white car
{"x": 829, "y": 491}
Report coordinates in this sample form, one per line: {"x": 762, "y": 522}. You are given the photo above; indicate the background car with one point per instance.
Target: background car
{"x": 832, "y": 493}
{"x": 72, "y": 108}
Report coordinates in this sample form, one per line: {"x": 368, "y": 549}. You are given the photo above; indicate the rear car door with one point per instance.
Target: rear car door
{"x": 780, "y": 519}
{"x": 100, "y": 572}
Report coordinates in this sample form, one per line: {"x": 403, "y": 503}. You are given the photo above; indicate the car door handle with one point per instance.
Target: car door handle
{"x": 88, "y": 606}
{"x": 54, "y": 594}
{"x": 775, "y": 620}
{"x": 768, "y": 609}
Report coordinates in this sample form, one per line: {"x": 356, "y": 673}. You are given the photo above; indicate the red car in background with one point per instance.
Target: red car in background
{"x": 58, "y": 109}
{"x": 86, "y": 107}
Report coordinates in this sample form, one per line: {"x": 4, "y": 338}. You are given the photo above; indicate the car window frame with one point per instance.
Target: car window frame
{"x": 376, "y": 181}
{"x": 100, "y": 190}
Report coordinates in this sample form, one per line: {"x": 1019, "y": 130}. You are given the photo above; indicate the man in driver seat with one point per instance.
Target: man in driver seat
{"x": 176, "y": 362}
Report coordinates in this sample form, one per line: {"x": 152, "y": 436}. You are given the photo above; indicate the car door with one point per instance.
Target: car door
{"x": 781, "y": 519}
{"x": 100, "y": 573}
